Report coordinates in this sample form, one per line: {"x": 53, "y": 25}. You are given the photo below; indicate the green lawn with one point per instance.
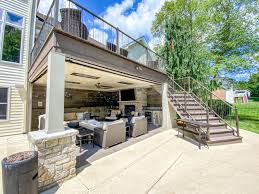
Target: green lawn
{"x": 249, "y": 115}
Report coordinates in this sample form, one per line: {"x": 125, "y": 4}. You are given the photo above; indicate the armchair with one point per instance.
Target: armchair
{"x": 139, "y": 126}
{"x": 110, "y": 134}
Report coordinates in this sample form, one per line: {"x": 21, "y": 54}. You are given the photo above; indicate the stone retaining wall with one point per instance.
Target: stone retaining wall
{"x": 57, "y": 156}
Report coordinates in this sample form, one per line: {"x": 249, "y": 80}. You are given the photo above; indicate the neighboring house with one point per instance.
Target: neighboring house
{"x": 243, "y": 95}
{"x": 226, "y": 92}
{"x": 15, "y": 20}
{"x": 139, "y": 53}
{"x": 223, "y": 94}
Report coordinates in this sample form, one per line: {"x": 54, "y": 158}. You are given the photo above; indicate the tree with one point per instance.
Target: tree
{"x": 219, "y": 35}
{"x": 252, "y": 84}
{"x": 177, "y": 24}
{"x": 232, "y": 35}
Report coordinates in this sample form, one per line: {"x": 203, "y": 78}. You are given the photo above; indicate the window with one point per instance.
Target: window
{"x": 12, "y": 44}
{"x": 4, "y": 101}
{"x": 11, "y": 29}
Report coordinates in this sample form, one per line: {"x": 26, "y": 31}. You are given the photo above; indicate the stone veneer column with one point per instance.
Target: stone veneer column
{"x": 57, "y": 156}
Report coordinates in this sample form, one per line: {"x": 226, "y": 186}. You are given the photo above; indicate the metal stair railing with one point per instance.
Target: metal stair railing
{"x": 173, "y": 87}
{"x": 180, "y": 105}
{"x": 200, "y": 130}
{"x": 221, "y": 108}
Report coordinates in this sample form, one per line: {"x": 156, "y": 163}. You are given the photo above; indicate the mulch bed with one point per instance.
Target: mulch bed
{"x": 19, "y": 156}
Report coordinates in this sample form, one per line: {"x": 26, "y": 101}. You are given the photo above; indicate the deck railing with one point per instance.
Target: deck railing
{"x": 81, "y": 22}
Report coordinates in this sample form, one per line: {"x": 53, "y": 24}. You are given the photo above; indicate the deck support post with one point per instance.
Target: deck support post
{"x": 237, "y": 121}
{"x": 117, "y": 41}
{"x": 168, "y": 114}
{"x": 208, "y": 119}
{"x": 55, "y": 93}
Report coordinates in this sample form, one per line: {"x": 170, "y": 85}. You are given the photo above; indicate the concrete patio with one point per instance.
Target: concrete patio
{"x": 165, "y": 163}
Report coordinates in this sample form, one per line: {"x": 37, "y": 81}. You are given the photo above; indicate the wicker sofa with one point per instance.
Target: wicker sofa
{"x": 107, "y": 134}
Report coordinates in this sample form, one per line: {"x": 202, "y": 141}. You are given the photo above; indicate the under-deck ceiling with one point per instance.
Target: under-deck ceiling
{"x": 82, "y": 77}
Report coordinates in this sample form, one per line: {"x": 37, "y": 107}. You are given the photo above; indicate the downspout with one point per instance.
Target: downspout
{"x": 31, "y": 37}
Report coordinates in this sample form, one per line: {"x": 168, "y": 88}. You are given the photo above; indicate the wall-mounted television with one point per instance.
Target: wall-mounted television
{"x": 128, "y": 95}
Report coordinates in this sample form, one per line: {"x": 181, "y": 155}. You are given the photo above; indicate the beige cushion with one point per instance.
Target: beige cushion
{"x": 70, "y": 116}
{"x": 80, "y": 116}
{"x": 115, "y": 112}
{"x": 106, "y": 124}
{"x": 137, "y": 118}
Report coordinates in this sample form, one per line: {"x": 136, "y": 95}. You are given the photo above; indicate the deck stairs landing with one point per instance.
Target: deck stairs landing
{"x": 189, "y": 106}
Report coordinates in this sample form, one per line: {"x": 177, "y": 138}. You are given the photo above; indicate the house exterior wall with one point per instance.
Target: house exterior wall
{"x": 227, "y": 95}
{"x": 138, "y": 53}
{"x": 14, "y": 75}
{"x": 221, "y": 93}
{"x": 230, "y": 96}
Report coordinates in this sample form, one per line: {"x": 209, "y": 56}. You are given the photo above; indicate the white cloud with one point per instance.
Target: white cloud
{"x": 137, "y": 23}
{"x": 45, "y": 5}
{"x": 155, "y": 41}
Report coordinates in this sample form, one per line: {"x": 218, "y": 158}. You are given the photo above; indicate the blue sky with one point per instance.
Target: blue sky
{"x": 100, "y": 6}
{"x": 134, "y": 17}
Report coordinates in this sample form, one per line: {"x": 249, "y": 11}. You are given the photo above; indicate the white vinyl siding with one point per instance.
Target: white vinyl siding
{"x": 14, "y": 75}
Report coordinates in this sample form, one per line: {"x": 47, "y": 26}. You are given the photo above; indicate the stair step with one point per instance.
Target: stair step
{"x": 204, "y": 117}
{"x": 222, "y": 134}
{"x": 220, "y": 130}
{"x": 183, "y": 98}
{"x": 187, "y": 104}
{"x": 224, "y": 140}
{"x": 211, "y": 120}
{"x": 192, "y": 108}
{"x": 197, "y": 113}
{"x": 217, "y": 127}
{"x": 183, "y": 101}
{"x": 218, "y": 124}
{"x": 179, "y": 93}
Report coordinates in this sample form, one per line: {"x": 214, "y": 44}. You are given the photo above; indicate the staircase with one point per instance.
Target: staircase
{"x": 193, "y": 101}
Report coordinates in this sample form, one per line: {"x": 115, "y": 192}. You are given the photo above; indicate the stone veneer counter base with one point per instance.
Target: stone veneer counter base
{"x": 57, "y": 156}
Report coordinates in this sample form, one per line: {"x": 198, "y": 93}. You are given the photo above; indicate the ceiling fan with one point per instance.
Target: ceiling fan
{"x": 99, "y": 86}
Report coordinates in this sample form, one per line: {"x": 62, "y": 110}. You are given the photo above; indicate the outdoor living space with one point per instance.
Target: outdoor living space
{"x": 110, "y": 111}
{"x": 91, "y": 96}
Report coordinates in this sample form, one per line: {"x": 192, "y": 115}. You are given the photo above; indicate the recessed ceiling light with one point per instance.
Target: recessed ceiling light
{"x": 70, "y": 82}
{"x": 85, "y": 75}
{"x": 106, "y": 87}
{"x": 98, "y": 85}
{"x": 125, "y": 83}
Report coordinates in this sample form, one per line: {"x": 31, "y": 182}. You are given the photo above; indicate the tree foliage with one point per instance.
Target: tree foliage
{"x": 177, "y": 23}
{"x": 232, "y": 35}
{"x": 208, "y": 37}
{"x": 252, "y": 84}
